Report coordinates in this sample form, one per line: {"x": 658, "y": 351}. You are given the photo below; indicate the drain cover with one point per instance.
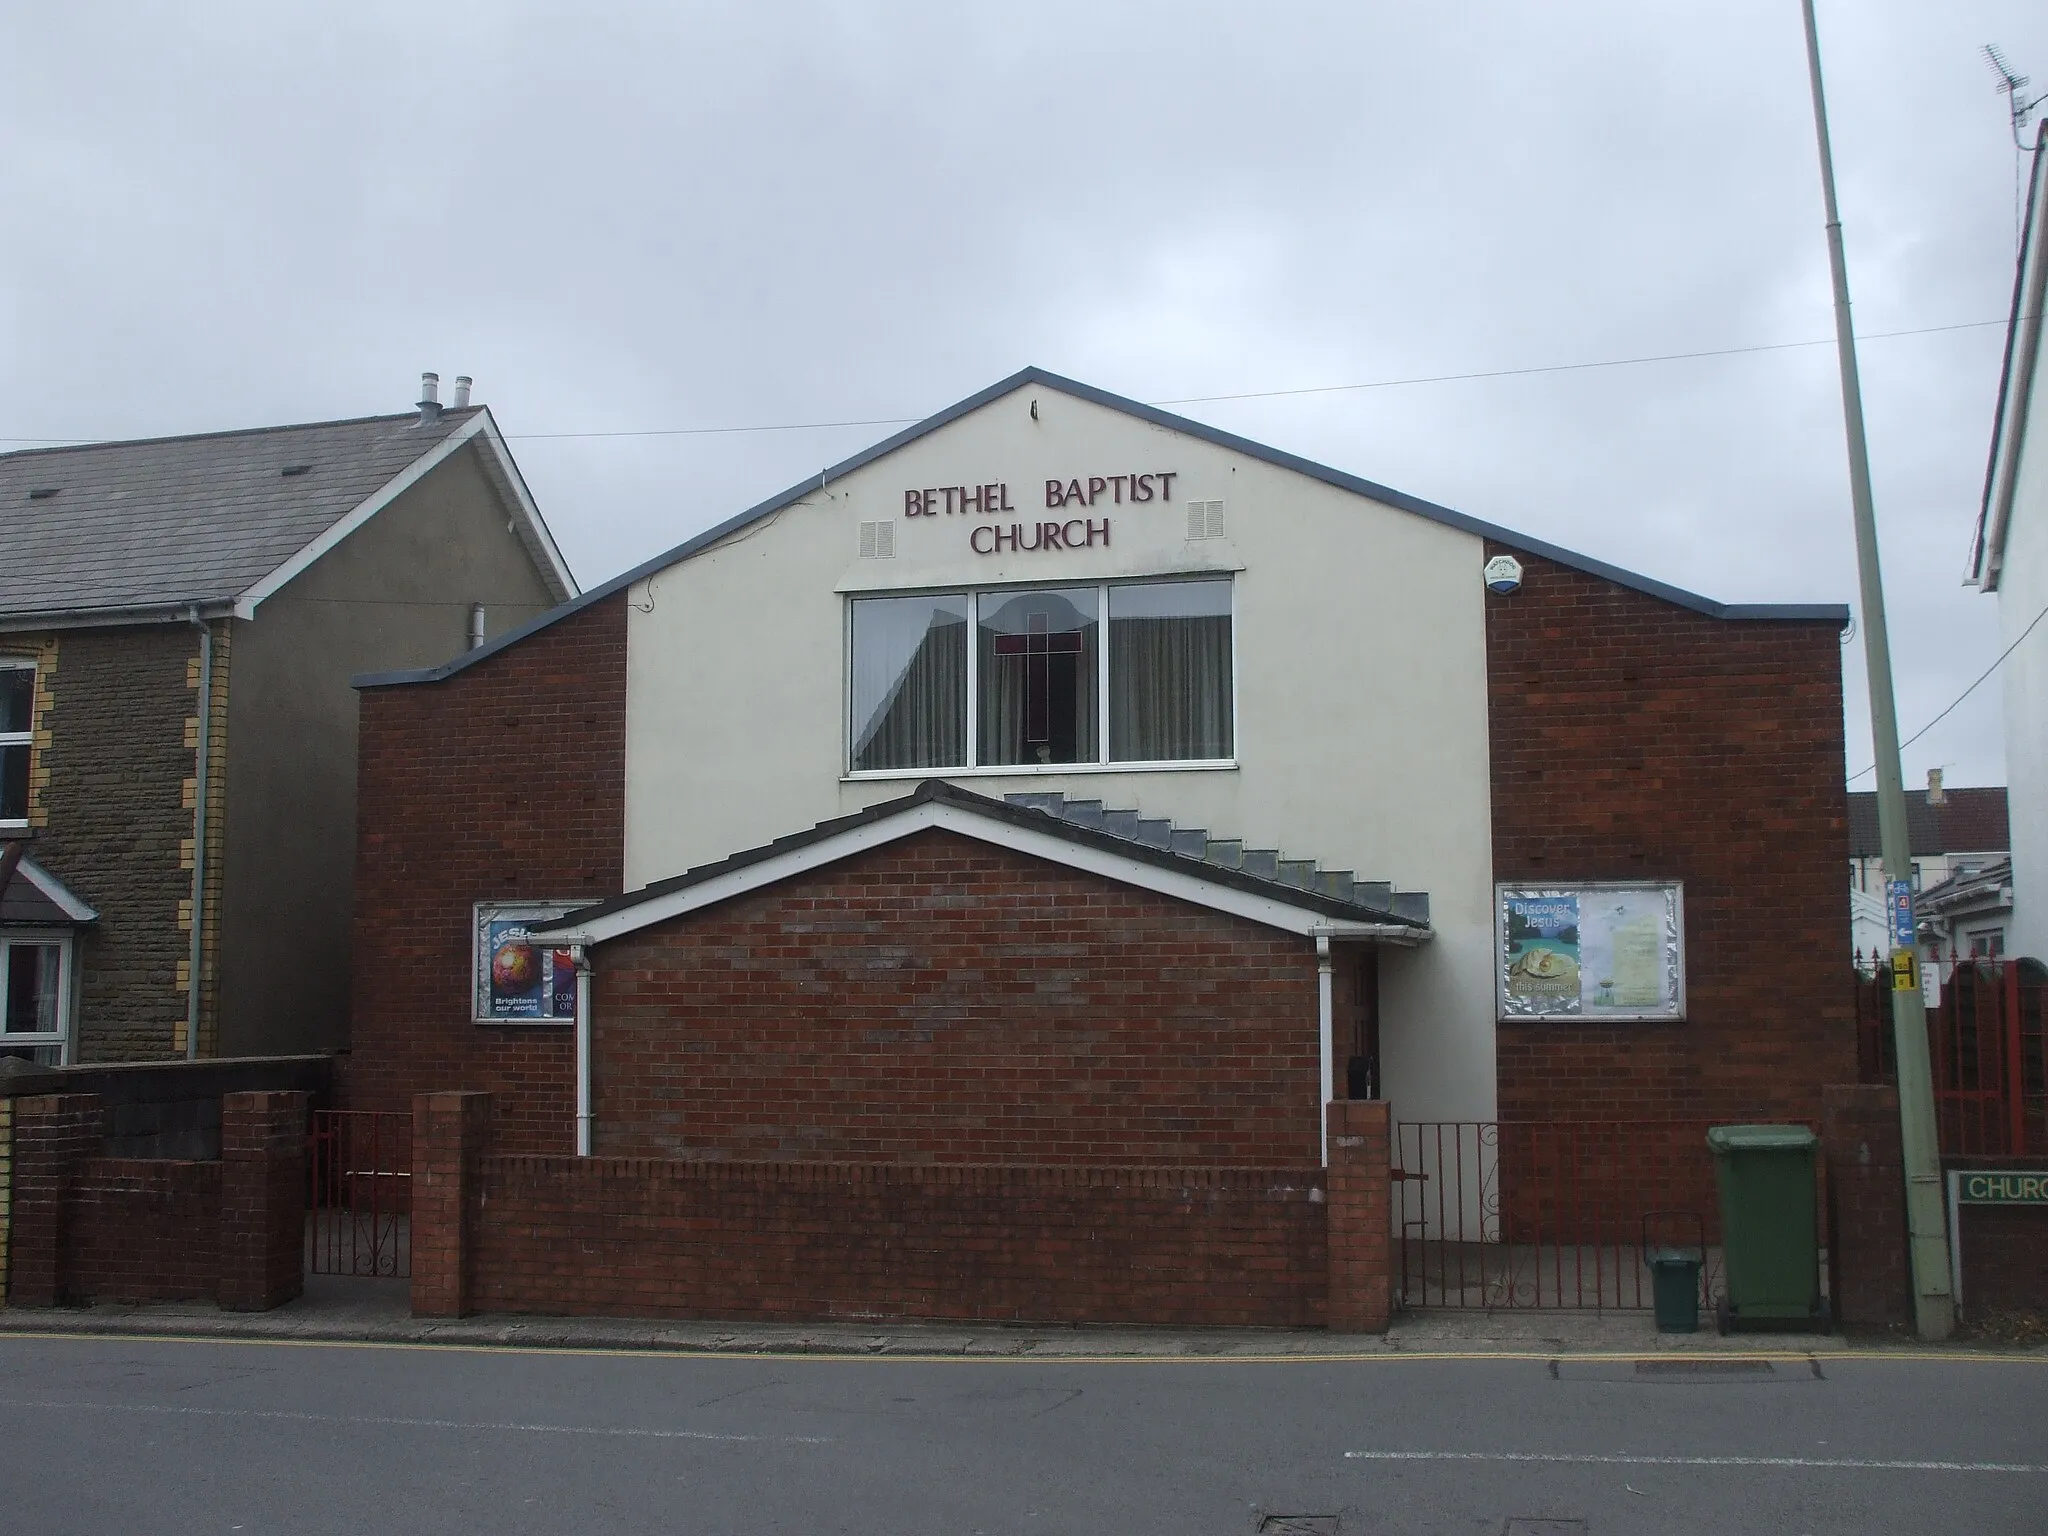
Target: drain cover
{"x": 1703, "y": 1368}
{"x": 1298, "y": 1525}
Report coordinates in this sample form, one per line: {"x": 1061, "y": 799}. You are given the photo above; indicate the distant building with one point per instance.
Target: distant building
{"x": 1953, "y": 834}
{"x": 2009, "y": 557}
{"x": 210, "y": 596}
{"x": 1946, "y": 829}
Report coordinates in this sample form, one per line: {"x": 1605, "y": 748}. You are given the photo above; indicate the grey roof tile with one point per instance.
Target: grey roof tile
{"x": 175, "y": 520}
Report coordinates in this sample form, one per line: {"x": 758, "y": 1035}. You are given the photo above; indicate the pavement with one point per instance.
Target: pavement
{"x": 339, "y": 1310}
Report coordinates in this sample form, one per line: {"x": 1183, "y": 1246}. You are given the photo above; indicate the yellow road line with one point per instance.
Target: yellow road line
{"x": 832, "y": 1357}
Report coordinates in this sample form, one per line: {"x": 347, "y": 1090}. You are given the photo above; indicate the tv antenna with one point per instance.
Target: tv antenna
{"x": 2014, "y": 88}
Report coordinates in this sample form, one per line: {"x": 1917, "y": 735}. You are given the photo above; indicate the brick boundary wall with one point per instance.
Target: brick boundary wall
{"x": 54, "y": 1135}
{"x": 1634, "y": 739}
{"x": 450, "y": 1132}
{"x": 2005, "y": 1250}
{"x": 505, "y": 782}
{"x": 86, "y": 1227}
{"x": 262, "y": 1200}
{"x": 1869, "y": 1278}
{"x": 812, "y": 1241}
{"x": 1360, "y": 1216}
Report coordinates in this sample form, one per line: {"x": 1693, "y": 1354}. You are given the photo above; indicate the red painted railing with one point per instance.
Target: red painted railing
{"x": 1986, "y": 1042}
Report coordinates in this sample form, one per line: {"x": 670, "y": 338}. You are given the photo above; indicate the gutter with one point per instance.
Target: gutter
{"x": 584, "y": 1116}
{"x": 1327, "y": 1033}
{"x": 195, "y": 951}
{"x": 111, "y": 618}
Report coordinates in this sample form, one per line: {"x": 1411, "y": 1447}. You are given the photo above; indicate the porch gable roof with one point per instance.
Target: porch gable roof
{"x": 938, "y": 804}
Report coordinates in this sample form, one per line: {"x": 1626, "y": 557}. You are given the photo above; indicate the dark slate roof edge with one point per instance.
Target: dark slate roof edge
{"x": 447, "y": 415}
{"x": 944, "y": 792}
{"x": 1837, "y": 613}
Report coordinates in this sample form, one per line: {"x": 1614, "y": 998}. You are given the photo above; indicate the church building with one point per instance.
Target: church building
{"x": 1064, "y": 782}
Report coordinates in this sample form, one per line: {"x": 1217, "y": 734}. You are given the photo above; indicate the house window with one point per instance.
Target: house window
{"x": 33, "y": 978}
{"x": 1987, "y": 944}
{"x": 17, "y": 707}
{"x": 1050, "y": 677}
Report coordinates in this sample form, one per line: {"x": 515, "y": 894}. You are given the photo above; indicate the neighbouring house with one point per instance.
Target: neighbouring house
{"x": 179, "y": 621}
{"x": 1953, "y": 834}
{"x": 2009, "y": 558}
{"x": 1967, "y": 915}
{"x": 1064, "y": 784}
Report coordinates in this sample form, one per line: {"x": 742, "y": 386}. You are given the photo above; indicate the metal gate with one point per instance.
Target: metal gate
{"x": 1501, "y": 1214}
{"x": 359, "y": 1219}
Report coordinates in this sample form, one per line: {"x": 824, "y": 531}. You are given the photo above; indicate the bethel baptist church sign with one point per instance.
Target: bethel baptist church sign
{"x": 993, "y": 499}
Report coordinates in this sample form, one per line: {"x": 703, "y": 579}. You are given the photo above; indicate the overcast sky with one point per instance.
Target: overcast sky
{"x": 644, "y": 218}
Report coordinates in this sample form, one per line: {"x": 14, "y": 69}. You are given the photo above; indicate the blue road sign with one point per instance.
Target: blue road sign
{"x": 1899, "y": 897}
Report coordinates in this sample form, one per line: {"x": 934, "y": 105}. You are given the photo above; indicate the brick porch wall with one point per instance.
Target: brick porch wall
{"x": 942, "y": 1000}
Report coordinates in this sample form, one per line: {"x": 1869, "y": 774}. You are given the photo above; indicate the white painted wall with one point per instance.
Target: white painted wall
{"x": 1361, "y": 723}
{"x": 2022, "y": 594}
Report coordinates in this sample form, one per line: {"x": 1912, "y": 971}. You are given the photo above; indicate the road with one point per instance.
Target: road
{"x": 122, "y": 1436}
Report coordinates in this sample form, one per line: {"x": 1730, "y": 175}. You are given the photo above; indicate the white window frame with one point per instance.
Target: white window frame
{"x": 22, "y": 738}
{"x": 1102, "y": 762}
{"x": 67, "y": 988}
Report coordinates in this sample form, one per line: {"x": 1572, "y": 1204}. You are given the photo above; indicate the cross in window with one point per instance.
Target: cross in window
{"x": 1038, "y": 645}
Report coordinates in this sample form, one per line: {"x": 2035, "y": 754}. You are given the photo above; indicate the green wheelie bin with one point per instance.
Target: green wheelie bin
{"x": 1770, "y": 1254}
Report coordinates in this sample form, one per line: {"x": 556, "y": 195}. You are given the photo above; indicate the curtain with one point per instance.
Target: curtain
{"x": 909, "y": 682}
{"x": 1169, "y": 688}
{"x": 1063, "y": 673}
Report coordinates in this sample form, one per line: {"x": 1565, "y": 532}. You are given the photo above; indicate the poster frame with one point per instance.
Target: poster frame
{"x": 1503, "y": 890}
{"x": 482, "y": 915}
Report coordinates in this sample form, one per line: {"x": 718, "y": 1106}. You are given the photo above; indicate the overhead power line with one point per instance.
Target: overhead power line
{"x": 1958, "y": 699}
{"x": 1253, "y": 394}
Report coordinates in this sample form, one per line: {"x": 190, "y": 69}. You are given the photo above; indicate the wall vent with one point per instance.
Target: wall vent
{"x": 878, "y": 540}
{"x": 1205, "y": 519}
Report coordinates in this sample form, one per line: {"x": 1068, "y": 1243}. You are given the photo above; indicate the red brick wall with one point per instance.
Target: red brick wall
{"x": 144, "y": 1229}
{"x": 942, "y": 1000}
{"x": 639, "y": 1237}
{"x": 1360, "y": 1222}
{"x": 1633, "y": 739}
{"x": 2005, "y": 1262}
{"x": 92, "y": 1228}
{"x": 503, "y": 782}
{"x": 1869, "y": 1278}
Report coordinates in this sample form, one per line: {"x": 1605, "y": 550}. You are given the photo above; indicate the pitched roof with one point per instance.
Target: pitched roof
{"x": 167, "y": 522}
{"x": 1970, "y": 821}
{"x": 2017, "y": 376}
{"x": 1025, "y": 827}
{"x": 33, "y": 896}
{"x": 1834, "y": 613}
{"x": 1969, "y": 891}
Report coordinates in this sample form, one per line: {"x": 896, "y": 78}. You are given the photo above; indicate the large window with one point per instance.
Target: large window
{"x": 17, "y": 705}
{"x": 1136, "y": 673}
{"x": 32, "y": 985}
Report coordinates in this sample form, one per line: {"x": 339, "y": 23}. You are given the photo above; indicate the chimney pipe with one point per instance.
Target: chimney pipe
{"x": 430, "y": 399}
{"x": 462, "y": 383}
{"x": 1935, "y": 794}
